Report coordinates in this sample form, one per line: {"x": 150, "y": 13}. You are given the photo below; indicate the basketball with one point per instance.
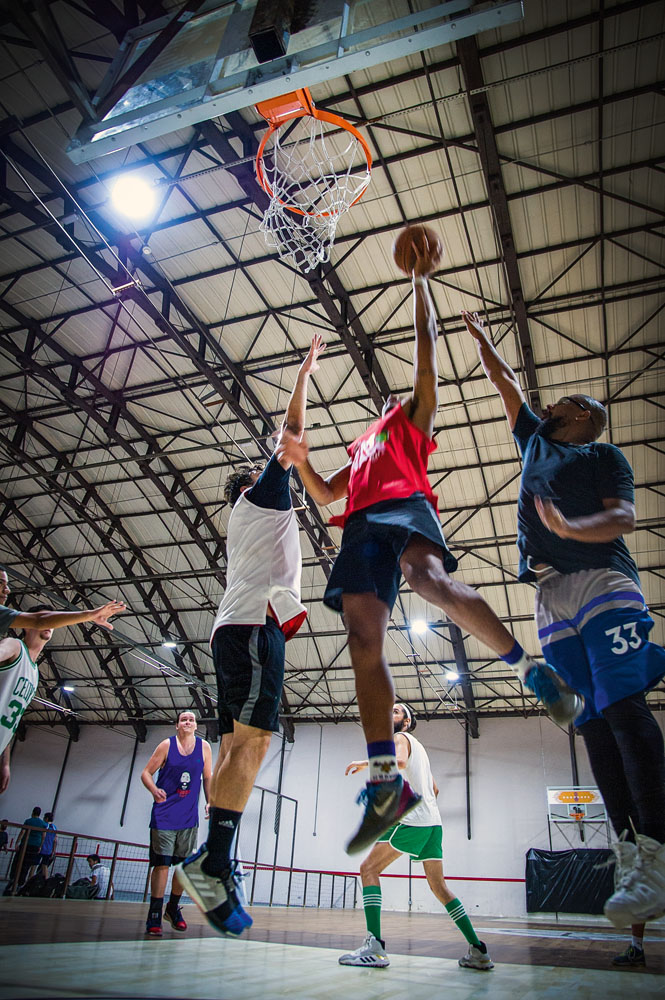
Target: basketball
{"x": 424, "y": 238}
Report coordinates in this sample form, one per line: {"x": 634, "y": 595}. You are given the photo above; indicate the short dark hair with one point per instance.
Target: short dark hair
{"x": 48, "y": 817}
{"x": 598, "y": 415}
{"x": 237, "y": 480}
{"x": 37, "y": 811}
{"x": 183, "y": 712}
{"x": 93, "y": 857}
{"x": 39, "y": 607}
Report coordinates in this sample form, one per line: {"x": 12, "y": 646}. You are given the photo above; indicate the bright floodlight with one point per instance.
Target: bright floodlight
{"x": 419, "y": 626}
{"x": 169, "y": 644}
{"x": 452, "y": 675}
{"x": 134, "y": 197}
{"x": 67, "y": 687}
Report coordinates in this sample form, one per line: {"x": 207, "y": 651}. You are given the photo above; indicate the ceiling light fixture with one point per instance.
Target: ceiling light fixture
{"x": 133, "y": 196}
{"x": 67, "y": 687}
{"x": 169, "y": 644}
{"x": 419, "y": 626}
{"x": 452, "y": 675}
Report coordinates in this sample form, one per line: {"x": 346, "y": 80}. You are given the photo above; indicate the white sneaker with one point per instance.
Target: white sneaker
{"x": 371, "y": 954}
{"x": 477, "y": 958}
{"x": 625, "y": 853}
{"x": 640, "y": 895}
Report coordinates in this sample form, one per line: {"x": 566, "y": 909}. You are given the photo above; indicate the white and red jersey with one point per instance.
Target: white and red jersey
{"x": 389, "y": 462}
{"x": 264, "y": 568}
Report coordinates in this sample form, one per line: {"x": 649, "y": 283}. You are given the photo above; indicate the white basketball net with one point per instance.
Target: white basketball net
{"x": 319, "y": 169}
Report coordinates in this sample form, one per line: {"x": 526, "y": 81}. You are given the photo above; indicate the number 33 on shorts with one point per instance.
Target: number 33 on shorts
{"x": 624, "y": 637}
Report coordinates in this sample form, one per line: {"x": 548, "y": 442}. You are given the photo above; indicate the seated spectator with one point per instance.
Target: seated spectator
{"x": 4, "y": 836}
{"x": 49, "y": 844}
{"x": 99, "y": 876}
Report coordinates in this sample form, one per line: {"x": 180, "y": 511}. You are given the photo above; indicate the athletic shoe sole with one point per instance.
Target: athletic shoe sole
{"x": 360, "y": 843}
{"x": 376, "y": 963}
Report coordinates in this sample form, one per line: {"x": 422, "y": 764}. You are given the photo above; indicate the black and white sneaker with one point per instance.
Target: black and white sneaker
{"x": 214, "y": 895}
{"x": 371, "y": 954}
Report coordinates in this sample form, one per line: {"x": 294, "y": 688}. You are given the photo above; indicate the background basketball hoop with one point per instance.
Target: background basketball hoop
{"x": 313, "y": 165}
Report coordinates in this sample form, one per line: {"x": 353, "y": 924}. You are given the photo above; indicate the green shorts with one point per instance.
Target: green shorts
{"x": 421, "y": 843}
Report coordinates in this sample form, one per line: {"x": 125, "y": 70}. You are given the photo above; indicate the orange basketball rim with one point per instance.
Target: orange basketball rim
{"x": 278, "y": 111}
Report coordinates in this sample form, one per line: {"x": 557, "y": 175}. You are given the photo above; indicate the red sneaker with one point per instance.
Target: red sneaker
{"x": 153, "y": 925}
{"x": 174, "y": 916}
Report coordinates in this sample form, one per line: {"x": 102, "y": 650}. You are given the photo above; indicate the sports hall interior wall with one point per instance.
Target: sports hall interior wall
{"x": 512, "y": 763}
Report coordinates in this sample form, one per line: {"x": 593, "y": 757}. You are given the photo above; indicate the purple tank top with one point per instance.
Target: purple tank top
{"x": 180, "y": 777}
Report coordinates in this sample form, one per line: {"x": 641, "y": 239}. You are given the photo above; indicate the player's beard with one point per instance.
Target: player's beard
{"x": 552, "y": 424}
{"x": 397, "y": 726}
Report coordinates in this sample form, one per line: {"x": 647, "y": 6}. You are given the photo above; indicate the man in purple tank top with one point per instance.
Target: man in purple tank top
{"x": 183, "y": 761}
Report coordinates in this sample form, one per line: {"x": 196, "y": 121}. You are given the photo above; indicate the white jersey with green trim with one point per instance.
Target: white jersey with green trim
{"x": 18, "y": 683}
{"x": 419, "y": 775}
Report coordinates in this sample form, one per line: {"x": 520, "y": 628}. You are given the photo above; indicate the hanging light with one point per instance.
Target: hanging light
{"x": 133, "y": 196}
{"x": 419, "y": 626}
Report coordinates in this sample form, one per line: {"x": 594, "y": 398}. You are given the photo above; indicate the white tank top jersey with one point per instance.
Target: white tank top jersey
{"x": 264, "y": 567}
{"x": 18, "y": 683}
{"x": 419, "y": 775}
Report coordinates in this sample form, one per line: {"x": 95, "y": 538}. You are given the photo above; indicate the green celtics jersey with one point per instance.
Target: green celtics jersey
{"x": 18, "y": 683}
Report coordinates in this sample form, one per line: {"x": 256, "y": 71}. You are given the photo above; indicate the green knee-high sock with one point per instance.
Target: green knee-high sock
{"x": 457, "y": 913}
{"x": 372, "y": 905}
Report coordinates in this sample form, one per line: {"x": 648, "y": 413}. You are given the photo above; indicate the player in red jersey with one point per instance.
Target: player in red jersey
{"x": 391, "y": 528}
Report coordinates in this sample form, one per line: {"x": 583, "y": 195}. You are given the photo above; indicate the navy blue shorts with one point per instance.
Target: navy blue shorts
{"x": 372, "y": 546}
{"x": 249, "y": 663}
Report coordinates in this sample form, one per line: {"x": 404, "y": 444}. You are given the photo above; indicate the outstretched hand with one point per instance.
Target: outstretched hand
{"x": 427, "y": 256}
{"x": 552, "y": 517}
{"x": 291, "y": 449}
{"x": 311, "y": 362}
{"x": 355, "y": 766}
{"x": 103, "y": 614}
{"x": 474, "y": 325}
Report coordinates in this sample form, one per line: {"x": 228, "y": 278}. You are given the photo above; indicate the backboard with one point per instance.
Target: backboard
{"x": 189, "y": 67}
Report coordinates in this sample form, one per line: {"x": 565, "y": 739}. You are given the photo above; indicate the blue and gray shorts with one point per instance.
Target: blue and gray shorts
{"x": 594, "y": 629}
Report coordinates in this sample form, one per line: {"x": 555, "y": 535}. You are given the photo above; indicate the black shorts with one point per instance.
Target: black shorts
{"x": 249, "y": 663}
{"x": 372, "y": 546}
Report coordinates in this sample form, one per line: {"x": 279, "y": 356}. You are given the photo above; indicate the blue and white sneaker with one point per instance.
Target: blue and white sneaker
{"x": 214, "y": 895}
{"x": 386, "y": 802}
{"x": 561, "y": 703}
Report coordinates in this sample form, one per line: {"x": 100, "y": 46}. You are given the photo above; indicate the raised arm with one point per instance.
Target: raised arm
{"x": 294, "y": 450}
{"x": 498, "y": 371}
{"x": 421, "y": 410}
{"x": 60, "y": 619}
{"x": 295, "y": 411}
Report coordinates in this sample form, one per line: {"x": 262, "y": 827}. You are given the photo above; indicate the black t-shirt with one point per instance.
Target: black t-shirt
{"x": 272, "y": 489}
{"x": 577, "y": 478}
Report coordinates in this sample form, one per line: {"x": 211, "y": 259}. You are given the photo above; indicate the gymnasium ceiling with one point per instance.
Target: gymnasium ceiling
{"x": 123, "y": 414}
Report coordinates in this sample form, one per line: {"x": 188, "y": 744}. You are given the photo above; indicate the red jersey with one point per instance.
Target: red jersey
{"x": 389, "y": 462}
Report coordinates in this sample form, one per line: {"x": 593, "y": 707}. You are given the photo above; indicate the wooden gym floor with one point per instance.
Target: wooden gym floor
{"x": 80, "y": 948}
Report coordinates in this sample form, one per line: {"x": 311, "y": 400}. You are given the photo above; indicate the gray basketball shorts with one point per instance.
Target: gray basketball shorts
{"x": 170, "y": 847}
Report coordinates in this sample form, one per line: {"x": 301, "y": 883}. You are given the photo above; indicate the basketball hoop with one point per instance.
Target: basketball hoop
{"x": 314, "y": 166}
